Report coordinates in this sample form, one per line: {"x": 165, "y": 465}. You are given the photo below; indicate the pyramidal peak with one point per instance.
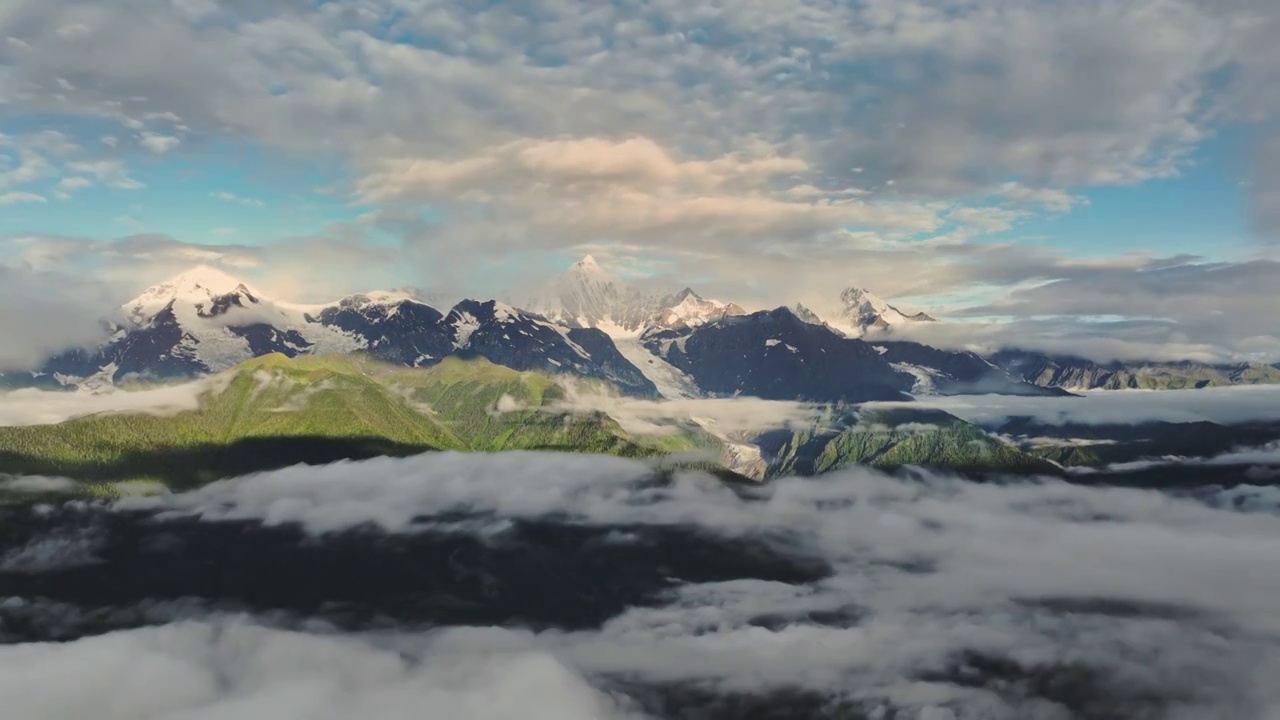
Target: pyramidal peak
{"x": 858, "y": 297}
{"x": 862, "y": 310}
{"x": 587, "y": 264}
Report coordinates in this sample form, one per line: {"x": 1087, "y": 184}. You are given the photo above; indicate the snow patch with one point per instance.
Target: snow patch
{"x": 463, "y": 329}
{"x": 926, "y": 378}
{"x": 670, "y": 381}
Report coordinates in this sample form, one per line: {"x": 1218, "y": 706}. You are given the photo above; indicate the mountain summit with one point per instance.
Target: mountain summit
{"x": 586, "y": 295}
{"x": 201, "y": 287}
{"x": 861, "y": 311}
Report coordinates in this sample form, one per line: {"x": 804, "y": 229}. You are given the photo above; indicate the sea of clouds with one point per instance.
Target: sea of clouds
{"x": 1100, "y": 602}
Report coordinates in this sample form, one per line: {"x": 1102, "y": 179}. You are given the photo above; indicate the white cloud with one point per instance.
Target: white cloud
{"x": 158, "y": 144}
{"x": 69, "y": 184}
{"x": 977, "y": 94}
{"x": 46, "y": 312}
{"x": 1228, "y": 405}
{"x": 987, "y": 218}
{"x": 934, "y": 565}
{"x": 32, "y": 167}
{"x": 237, "y": 669}
{"x": 1051, "y": 198}
{"x": 232, "y": 197}
{"x": 569, "y": 191}
{"x": 15, "y": 198}
{"x": 47, "y": 407}
{"x": 723, "y": 417}
{"x": 112, "y": 173}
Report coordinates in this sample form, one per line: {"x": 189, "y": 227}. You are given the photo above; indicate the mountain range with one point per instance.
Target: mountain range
{"x": 276, "y": 411}
{"x": 587, "y": 324}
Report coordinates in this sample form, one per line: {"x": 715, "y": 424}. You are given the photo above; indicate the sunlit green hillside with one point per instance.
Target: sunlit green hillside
{"x": 275, "y": 411}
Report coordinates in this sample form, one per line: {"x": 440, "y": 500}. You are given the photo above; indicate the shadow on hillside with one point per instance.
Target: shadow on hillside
{"x": 186, "y": 467}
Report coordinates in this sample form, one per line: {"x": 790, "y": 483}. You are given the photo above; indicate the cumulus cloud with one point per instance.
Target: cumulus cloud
{"x": 565, "y": 190}
{"x": 935, "y": 566}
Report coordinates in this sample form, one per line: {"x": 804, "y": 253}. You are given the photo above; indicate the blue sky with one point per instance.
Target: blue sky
{"x": 984, "y": 156}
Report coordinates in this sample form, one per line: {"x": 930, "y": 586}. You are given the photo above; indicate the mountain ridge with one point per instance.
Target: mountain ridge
{"x": 591, "y": 325}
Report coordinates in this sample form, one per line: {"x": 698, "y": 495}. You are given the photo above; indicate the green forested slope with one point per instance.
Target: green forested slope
{"x": 892, "y": 439}
{"x": 275, "y": 411}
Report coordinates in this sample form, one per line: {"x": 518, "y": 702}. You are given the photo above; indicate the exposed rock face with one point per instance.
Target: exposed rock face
{"x": 776, "y": 355}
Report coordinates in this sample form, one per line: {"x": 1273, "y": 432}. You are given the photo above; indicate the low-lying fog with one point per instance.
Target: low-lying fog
{"x": 526, "y": 585}
{"x": 1224, "y": 405}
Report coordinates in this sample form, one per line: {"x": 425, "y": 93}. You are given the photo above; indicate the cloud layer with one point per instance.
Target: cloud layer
{"x": 1122, "y": 590}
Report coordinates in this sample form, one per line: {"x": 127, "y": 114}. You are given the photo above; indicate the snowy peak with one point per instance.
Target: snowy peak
{"x": 862, "y": 310}
{"x": 585, "y": 295}
{"x": 587, "y": 265}
{"x": 692, "y": 310}
{"x": 209, "y": 290}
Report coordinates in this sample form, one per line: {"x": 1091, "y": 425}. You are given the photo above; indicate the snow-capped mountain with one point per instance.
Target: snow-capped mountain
{"x": 204, "y": 321}
{"x": 392, "y": 326}
{"x": 779, "y": 354}
{"x": 585, "y": 295}
{"x": 776, "y": 355}
{"x": 200, "y": 321}
{"x": 523, "y": 341}
{"x": 403, "y": 330}
{"x": 861, "y": 311}
{"x": 674, "y": 345}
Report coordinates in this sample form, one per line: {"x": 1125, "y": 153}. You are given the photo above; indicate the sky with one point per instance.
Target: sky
{"x": 1095, "y": 175}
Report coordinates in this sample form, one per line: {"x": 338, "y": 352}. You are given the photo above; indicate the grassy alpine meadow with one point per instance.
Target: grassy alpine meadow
{"x": 275, "y": 411}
